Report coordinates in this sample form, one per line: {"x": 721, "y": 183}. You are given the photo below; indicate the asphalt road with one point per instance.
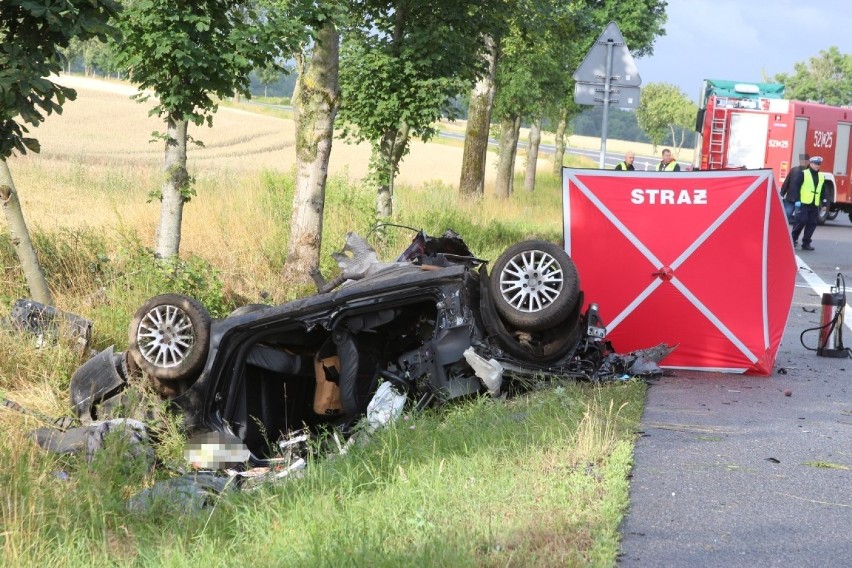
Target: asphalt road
{"x": 729, "y": 471}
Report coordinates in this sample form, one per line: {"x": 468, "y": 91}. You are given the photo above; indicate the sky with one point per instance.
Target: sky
{"x": 743, "y": 40}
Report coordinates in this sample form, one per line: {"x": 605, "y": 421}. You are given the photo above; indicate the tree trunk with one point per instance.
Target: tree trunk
{"x": 472, "y": 180}
{"x": 506, "y": 150}
{"x": 532, "y": 155}
{"x": 20, "y": 237}
{"x": 392, "y": 147}
{"x": 315, "y": 103}
{"x": 559, "y": 154}
{"x": 515, "y": 138}
{"x": 175, "y": 186}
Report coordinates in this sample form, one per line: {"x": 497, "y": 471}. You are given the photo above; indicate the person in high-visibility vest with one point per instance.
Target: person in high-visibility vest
{"x": 627, "y": 164}
{"x": 806, "y": 191}
{"x": 668, "y": 164}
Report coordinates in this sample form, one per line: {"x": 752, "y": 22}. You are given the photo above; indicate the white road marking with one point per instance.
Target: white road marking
{"x": 820, "y": 287}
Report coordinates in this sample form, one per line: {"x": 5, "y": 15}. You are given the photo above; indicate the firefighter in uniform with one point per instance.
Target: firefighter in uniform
{"x": 806, "y": 193}
{"x": 668, "y": 164}
{"x": 627, "y": 164}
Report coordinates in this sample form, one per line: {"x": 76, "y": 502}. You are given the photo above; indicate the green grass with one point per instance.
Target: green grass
{"x": 540, "y": 480}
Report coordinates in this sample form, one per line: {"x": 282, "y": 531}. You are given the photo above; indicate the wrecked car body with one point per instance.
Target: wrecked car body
{"x": 47, "y": 323}
{"x": 435, "y": 325}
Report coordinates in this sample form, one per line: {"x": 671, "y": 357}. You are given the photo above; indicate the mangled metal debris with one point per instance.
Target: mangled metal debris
{"x": 47, "y": 323}
{"x": 186, "y": 494}
{"x": 639, "y": 363}
{"x": 90, "y": 439}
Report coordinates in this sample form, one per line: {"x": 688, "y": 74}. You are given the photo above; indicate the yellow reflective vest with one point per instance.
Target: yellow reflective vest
{"x": 810, "y": 195}
{"x": 670, "y": 167}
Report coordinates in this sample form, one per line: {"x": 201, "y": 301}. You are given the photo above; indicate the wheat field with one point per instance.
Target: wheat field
{"x": 109, "y": 128}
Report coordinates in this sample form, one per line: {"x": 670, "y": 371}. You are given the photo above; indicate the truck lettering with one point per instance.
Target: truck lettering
{"x": 779, "y": 143}
{"x": 823, "y": 139}
{"x": 669, "y": 197}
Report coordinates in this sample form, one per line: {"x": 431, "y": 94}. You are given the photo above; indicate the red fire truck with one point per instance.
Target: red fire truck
{"x": 752, "y": 125}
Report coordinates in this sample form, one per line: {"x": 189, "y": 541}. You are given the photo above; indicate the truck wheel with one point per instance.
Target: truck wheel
{"x": 170, "y": 336}
{"x": 534, "y": 285}
{"x": 822, "y": 216}
{"x": 832, "y": 215}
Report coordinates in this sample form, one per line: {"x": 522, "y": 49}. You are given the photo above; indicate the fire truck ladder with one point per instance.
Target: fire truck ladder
{"x": 718, "y": 134}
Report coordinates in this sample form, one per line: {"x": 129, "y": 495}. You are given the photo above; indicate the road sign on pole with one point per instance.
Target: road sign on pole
{"x": 607, "y": 76}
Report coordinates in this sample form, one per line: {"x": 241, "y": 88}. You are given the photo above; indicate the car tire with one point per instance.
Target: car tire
{"x": 552, "y": 297}
{"x": 170, "y": 336}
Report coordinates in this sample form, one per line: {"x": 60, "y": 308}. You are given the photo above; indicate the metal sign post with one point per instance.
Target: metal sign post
{"x": 605, "y": 119}
{"x": 607, "y": 75}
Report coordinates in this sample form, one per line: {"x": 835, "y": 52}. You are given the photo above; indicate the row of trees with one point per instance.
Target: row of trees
{"x": 382, "y": 71}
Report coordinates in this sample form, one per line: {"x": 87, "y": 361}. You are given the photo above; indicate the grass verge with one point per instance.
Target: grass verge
{"x": 539, "y": 480}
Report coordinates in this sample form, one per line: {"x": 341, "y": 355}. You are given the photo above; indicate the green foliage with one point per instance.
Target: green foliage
{"x": 34, "y": 32}
{"x": 383, "y": 90}
{"x": 268, "y": 75}
{"x": 191, "y": 52}
{"x": 641, "y": 22}
{"x": 662, "y": 108}
{"x": 533, "y": 74}
{"x": 826, "y": 78}
{"x": 193, "y": 277}
{"x": 401, "y": 63}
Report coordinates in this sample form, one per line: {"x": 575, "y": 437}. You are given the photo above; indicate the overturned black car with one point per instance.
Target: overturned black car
{"x": 435, "y": 324}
